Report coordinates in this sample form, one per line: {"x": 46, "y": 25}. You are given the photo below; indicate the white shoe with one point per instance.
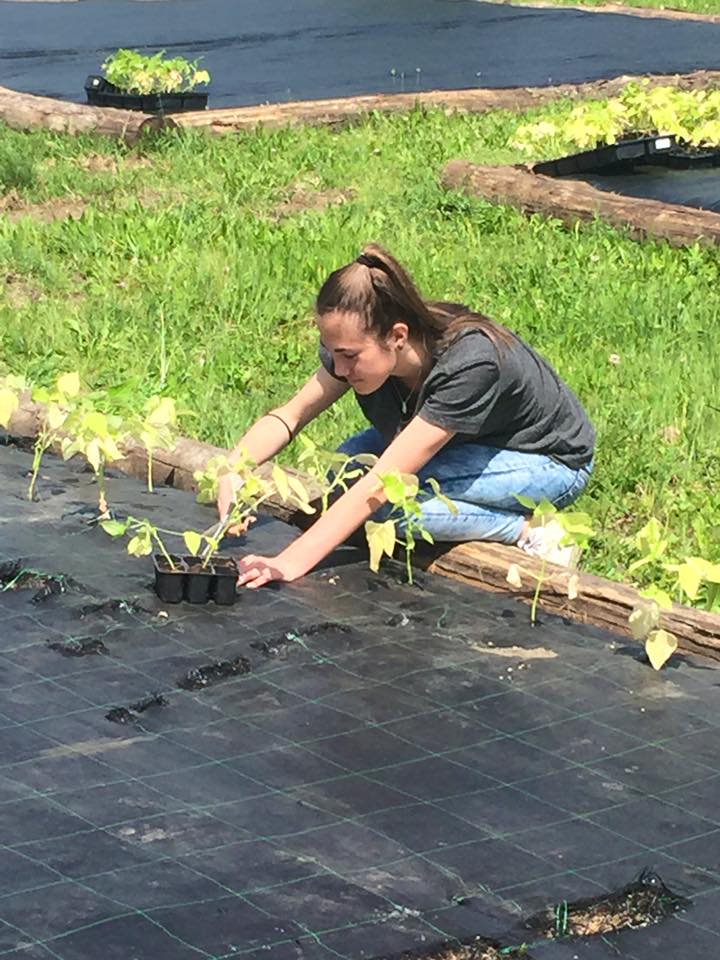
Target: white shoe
{"x": 545, "y": 543}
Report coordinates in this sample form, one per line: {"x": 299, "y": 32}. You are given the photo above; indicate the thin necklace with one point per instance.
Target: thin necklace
{"x": 404, "y": 400}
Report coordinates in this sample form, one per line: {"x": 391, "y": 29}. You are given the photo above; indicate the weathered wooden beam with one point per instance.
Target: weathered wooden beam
{"x": 25, "y": 111}
{"x": 573, "y": 201}
{"x": 604, "y": 603}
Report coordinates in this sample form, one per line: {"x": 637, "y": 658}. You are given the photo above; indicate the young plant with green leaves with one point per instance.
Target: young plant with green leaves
{"x": 332, "y": 471}
{"x": 252, "y": 490}
{"x": 144, "y": 535}
{"x": 59, "y": 406}
{"x": 402, "y": 490}
{"x": 134, "y": 72}
{"x": 155, "y": 428}
{"x": 98, "y": 437}
{"x": 577, "y": 530}
{"x": 695, "y": 579}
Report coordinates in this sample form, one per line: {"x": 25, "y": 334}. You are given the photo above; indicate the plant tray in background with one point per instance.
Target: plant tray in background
{"x": 618, "y": 157}
{"x": 101, "y": 93}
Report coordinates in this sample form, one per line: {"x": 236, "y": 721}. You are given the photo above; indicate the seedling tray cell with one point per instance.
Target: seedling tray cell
{"x": 353, "y": 771}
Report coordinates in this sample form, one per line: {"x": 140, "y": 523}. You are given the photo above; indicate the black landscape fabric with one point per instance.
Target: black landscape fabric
{"x": 385, "y": 768}
{"x": 286, "y": 50}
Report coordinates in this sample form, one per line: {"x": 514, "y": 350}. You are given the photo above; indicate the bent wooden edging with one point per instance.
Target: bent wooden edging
{"x": 575, "y": 200}
{"x": 601, "y": 602}
{"x": 24, "y": 111}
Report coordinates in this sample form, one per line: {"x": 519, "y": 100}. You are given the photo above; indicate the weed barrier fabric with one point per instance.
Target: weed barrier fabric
{"x": 691, "y": 188}
{"x": 283, "y": 51}
{"x": 368, "y": 769}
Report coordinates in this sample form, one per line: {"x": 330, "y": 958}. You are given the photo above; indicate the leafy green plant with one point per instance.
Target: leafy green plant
{"x": 578, "y": 530}
{"x": 132, "y": 71}
{"x": 253, "y": 489}
{"x": 332, "y": 471}
{"x": 157, "y": 428}
{"x": 693, "y": 116}
{"x": 97, "y": 436}
{"x": 402, "y": 492}
{"x": 144, "y": 535}
{"x": 59, "y": 404}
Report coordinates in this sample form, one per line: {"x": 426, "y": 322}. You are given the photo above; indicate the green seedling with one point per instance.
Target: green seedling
{"x": 60, "y": 404}
{"x": 332, "y": 471}
{"x": 644, "y": 623}
{"x": 252, "y": 490}
{"x": 132, "y": 71}
{"x": 578, "y": 530}
{"x": 402, "y": 491}
{"x": 97, "y": 436}
{"x": 157, "y": 428}
{"x": 10, "y": 389}
{"x": 144, "y": 535}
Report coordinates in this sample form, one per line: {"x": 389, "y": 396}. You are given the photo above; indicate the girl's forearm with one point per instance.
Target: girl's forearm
{"x": 265, "y": 438}
{"x": 335, "y": 526}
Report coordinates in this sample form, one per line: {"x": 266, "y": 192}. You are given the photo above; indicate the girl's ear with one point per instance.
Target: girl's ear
{"x": 399, "y": 335}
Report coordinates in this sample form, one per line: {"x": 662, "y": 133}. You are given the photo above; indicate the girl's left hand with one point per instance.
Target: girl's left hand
{"x": 257, "y": 571}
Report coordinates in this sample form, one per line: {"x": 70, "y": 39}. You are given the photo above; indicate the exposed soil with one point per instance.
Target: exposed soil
{"x": 113, "y": 606}
{"x": 280, "y": 645}
{"x": 200, "y": 677}
{"x": 132, "y": 713}
{"x": 78, "y": 646}
{"x": 475, "y": 949}
{"x": 302, "y": 199}
{"x": 13, "y": 576}
{"x": 59, "y": 208}
{"x": 643, "y": 902}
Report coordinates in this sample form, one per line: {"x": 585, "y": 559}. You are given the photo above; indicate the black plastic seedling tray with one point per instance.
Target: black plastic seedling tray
{"x": 101, "y": 93}
{"x": 615, "y": 157}
{"x": 195, "y": 583}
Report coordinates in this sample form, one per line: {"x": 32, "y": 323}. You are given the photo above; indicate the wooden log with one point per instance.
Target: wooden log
{"x": 25, "y": 111}
{"x": 648, "y": 13}
{"x": 574, "y": 200}
{"x": 601, "y": 602}
{"x": 338, "y": 111}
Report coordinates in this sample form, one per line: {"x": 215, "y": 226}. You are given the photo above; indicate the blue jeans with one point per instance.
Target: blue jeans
{"x": 482, "y": 482}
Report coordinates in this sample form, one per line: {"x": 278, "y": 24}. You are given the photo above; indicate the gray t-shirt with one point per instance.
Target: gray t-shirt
{"x": 506, "y": 397}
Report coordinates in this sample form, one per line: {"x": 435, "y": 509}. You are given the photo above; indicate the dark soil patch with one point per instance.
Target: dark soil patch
{"x": 280, "y": 645}
{"x": 302, "y": 199}
{"x": 643, "y": 902}
{"x": 132, "y": 713}
{"x": 78, "y": 646}
{"x": 13, "y": 576}
{"x": 200, "y": 677}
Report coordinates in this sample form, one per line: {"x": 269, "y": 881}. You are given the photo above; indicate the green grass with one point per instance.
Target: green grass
{"x": 199, "y": 291}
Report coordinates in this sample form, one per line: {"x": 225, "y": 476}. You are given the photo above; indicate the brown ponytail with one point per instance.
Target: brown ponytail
{"x": 378, "y": 289}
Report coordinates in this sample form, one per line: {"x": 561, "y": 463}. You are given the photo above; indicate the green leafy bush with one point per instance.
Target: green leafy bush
{"x": 693, "y": 116}
{"x": 129, "y": 70}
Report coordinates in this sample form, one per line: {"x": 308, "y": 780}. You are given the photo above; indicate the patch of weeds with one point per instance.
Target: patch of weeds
{"x": 17, "y": 165}
{"x": 200, "y": 677}
{"x": 78, "y": 646}
{"x": 644, "y": 901}
{"x": 132, "y": 713}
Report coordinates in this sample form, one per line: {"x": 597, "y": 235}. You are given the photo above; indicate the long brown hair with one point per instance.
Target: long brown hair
{"x": 378, "y": 289}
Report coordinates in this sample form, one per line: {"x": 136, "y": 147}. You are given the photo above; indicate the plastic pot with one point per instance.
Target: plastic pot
{"x": 101, "y": 93}
{"x": 198, "y": 580}
{"x": 169, "y": 583}
{"x": 226, "y": 573}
